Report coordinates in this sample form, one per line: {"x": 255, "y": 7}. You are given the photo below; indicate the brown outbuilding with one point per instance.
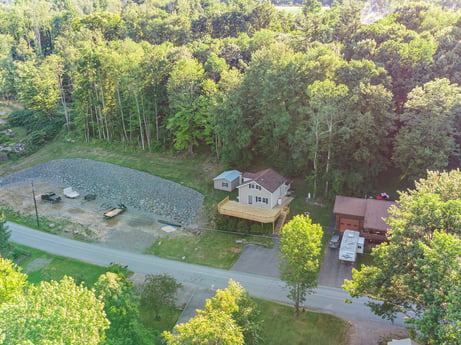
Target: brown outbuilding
{"x": 363, "y": 215}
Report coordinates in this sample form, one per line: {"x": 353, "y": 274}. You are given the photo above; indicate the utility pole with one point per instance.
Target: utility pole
{"x": 35, "y": 204}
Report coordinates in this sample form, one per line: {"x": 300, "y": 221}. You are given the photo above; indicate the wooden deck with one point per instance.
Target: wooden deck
{"x": 258, "y": 214}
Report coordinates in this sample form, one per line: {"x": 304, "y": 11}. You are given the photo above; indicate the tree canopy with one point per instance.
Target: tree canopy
{"x": 243, "y": 80}
{"x": 300, "y": 247}
{"x": 52, "y": 313}
{"x": 229, "y": 318}
{"x": 418, "y": 272}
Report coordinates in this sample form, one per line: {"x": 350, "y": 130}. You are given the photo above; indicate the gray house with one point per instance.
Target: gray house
{"x": 264, "y": 189}
{"x": 228, "y": 180}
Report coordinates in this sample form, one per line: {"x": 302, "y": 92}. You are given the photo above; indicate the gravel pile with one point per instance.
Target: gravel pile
{"x": 115, "y": 184}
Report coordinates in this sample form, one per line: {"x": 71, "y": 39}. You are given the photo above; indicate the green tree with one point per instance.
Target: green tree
{"x": 54, "y": 313}
{"x": 211, "y": 328}
{"x": 120, "y": 307}
{"x": 188, "y": 105}
{"x": 328, "y": 100}
{"x": 12, "y": 282}
{"x": 230, "y": 317}
{"x": 418, "y": 272}
{"x": 158, "y": 291}
{"x": 300, "y": 246}
{"x": 243, "y": 310}
{"x": 37, "y": 86}
{"x": 429, "y": 137}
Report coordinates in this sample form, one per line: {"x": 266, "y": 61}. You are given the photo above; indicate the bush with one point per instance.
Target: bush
{"x": 4, "y": 139}
{"x": 221, "y": 222}
{"x": 36, "y": 138}
{"x": 256, "y": 229}
{"x": 33, "y": 121}
{"x": 242, "y": 226}
{"x": 18, "y": 254}
{"x": 21, "y": 118}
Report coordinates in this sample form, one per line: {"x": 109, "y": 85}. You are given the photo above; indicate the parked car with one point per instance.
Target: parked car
{"x": 50, "y": 196}
{"x": 334, "y": 241}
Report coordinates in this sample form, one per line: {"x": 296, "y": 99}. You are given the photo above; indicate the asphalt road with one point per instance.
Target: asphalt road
{"x": 325, "y": 299}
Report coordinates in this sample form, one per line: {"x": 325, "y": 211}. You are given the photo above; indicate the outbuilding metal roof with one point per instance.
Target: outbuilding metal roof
{"x": 229, "y": 175}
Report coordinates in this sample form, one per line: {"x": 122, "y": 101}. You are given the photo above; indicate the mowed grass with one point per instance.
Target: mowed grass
{"x": 168, "y": 318}
{"x": 196, "y": 249}
{"x": 60, "y": 267}
{"x": 281, "y": 327}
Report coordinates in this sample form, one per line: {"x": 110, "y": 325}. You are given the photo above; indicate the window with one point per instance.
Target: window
{"x": 225, "y": 184}
{"x": 258, "y": 187}
{"x": 251, "y": 186}
{"x": 266, "y": 200}
{"x": 258, "y": 199}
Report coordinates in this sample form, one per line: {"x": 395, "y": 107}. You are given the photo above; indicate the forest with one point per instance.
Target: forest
{"x": 317, "y": 94}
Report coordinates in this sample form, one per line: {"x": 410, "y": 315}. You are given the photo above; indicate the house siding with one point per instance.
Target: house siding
{"x": 245, "y": 192}
{"x": 221, "y": 184}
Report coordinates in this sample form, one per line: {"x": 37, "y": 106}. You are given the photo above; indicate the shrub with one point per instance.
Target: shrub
{"x": 243, "y": 226}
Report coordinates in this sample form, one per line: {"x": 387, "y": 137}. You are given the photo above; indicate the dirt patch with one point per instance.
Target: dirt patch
{"x": 37, "y": 264}
{"x": 133, "y": 230}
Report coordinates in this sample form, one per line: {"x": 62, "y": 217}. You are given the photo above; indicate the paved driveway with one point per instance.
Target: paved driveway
{"x": 332, "y": 271}
{"x": 259, "y": 260}
{"x": 263, "y": 261}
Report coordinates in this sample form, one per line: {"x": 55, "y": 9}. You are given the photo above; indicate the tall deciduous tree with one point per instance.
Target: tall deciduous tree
{"x": 54, "y": 313}
{"x": 37, "y": 86}
{"x": 188, "y": 110}
{"x": 300, "y": 246}
{"x": 120, "y": 307}
{"x": 328, "y": 100}
{"x": 12, "y": 282}
{"x": 158, "y": 291}
{"x": 243, "y": 310}
{"x": 229, "y": 318}
{"x": 212, "y": 328}
{"x": 418, "y": 272}
{"x": 429, "y": 138}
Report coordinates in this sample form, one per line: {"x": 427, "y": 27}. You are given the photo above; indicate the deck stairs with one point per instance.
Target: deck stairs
{"x": 281, "y": 220}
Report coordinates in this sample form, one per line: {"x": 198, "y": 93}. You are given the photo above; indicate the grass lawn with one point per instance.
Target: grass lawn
{"x": 168, "y": 318}
{"x": 196, "y": 248}
{"x": 61, "y": 266}
{"x": 319, "y": 214}
{"x": 281, "y": 326}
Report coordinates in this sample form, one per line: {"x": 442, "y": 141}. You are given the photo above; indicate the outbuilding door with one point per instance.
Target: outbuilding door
{"x": 349, "y": 224}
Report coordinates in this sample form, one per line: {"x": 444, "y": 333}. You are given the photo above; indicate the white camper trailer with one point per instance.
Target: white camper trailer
{"x": 351, "y": 244}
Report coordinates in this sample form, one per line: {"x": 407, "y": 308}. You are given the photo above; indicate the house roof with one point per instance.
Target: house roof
{"x": 373, "y": 211}
{"x": 376, "y": 211}
{"x": 268, "y": 178}
{"x": 228, "y": 175}
{"x": 350, "y": 206}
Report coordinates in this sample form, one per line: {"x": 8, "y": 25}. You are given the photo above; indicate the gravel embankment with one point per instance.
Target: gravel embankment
{"x": 116, "y": 184}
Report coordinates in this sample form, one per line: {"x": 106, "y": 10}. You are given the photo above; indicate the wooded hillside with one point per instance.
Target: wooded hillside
{"x": 319, "y": 94}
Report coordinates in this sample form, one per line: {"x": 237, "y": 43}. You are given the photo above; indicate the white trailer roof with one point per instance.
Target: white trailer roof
{"x": 348, "y": 248}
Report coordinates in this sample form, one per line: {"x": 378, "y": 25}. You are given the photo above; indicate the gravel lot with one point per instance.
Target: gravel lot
{"x": 168, "y": 200}
{"x": 151, "y": 202}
